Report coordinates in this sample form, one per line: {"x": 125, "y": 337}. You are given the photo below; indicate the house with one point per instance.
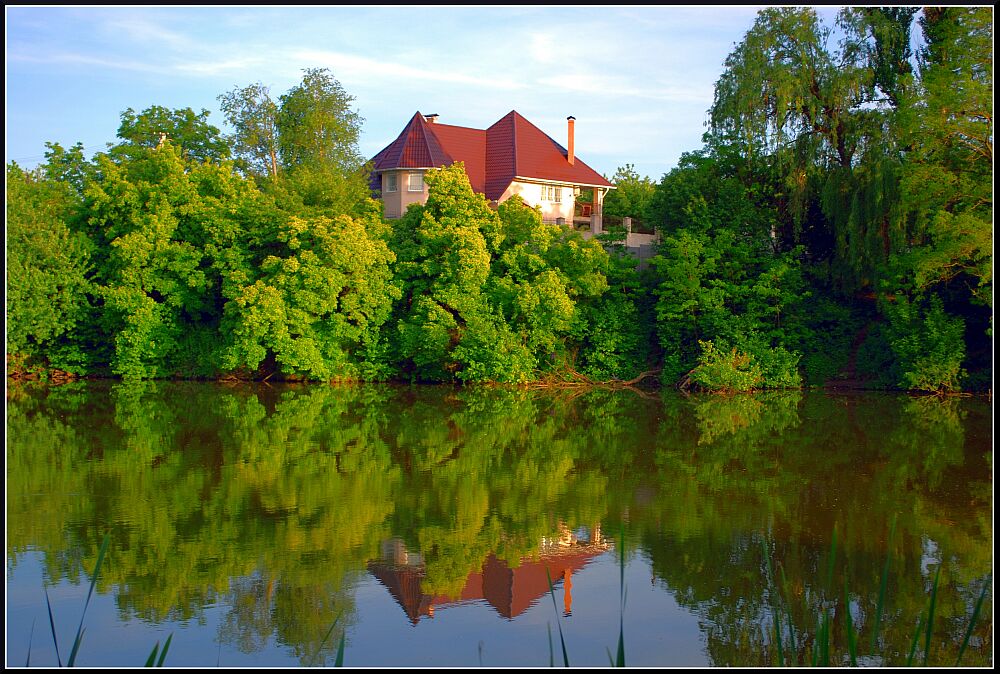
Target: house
{"x": 513, "y": 156}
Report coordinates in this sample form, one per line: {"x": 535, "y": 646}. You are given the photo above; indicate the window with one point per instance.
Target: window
{"x": 550, "y": 193}
{"x": 416, "y": 182}
{"x": 391, "y": 182}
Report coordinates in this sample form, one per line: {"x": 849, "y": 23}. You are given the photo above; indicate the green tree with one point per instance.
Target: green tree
{"x": 190, "y": 132}
{"x": 317, "y": 135}
{"x": 946, "y": 201}
{"x": 319, "y": 303}
{"x": 632, "y": 195}
{"x": 46, "y": 270}
{"x": 253, "y": 115}
{"x": 443, "y": 261}
{"x": 317, "y": 126}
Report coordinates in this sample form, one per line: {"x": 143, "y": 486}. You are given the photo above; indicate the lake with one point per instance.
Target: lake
{"x": 260, "y": 525}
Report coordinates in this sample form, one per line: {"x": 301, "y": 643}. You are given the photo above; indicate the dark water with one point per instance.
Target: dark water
{"x": 422, "y": 525}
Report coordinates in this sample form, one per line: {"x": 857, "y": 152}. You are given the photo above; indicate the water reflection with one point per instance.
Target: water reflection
{"x": 277, "y": 502}
{"x": 509, "y": 590}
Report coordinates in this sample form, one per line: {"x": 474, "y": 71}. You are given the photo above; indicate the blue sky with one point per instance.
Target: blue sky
{"x": 639, "y": 80}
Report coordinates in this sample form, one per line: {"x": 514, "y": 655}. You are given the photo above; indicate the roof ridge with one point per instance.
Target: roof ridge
{"x": 513, "y": 136}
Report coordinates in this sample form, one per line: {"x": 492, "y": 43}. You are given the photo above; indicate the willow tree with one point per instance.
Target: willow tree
{"x": 815, "y": 120}
{"x": 946, "y": 210}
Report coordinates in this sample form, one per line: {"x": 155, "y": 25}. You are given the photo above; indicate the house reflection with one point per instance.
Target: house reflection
{"x": 510, "y": 591}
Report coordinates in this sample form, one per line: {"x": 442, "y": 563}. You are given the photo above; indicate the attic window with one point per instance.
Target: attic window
{"x": 391, "y": 182}
{"x": 415, "y": 182}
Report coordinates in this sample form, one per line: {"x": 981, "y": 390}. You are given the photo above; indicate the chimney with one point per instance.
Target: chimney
{"x": 431, "y": 118}
{"x": 569, "y": 122}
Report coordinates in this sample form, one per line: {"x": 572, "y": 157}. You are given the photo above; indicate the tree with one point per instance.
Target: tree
{"x": 253, "y": 115}
{"x": 318, "y": 135}
{"x": 632, "y": 197}
{"x": 197, "y": 140}
{"x": 443, "y": 261}
{"x": 47, "y": 264}
{"x": 316, "y": 125}
{"x": 319, "y": 303}
{"x": 946, "y": 200}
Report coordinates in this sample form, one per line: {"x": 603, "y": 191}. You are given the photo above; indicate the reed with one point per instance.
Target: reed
{"x": 822, "y": 649}
{"x": 562, "y": 641}
{"x": 972, "y": 621}
{"x": 339, "y": 658}
{"x": 163, "y": 655}
{"x": 883, "y": 585}
{"x": 80, "y": 629}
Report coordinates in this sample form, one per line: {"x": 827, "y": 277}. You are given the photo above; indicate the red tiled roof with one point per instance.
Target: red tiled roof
{"x": 511, "y": 148}
{"x": 509, "y": 591}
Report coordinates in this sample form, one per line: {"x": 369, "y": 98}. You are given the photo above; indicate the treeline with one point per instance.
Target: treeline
{"x": 836, "y": 223}
{"x": 183, "y": 253}
{"x": 838, "y": 220}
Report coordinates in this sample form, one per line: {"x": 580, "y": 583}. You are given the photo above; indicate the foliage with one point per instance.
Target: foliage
{"x": 927, "y": 343}
{"x": 316, "y": 126}
{"x": 197, "y": 140}
{"x": 306, "y": 143}
{"x": 632, "y": 196}
{"x": 152, "y": 220}
{"x": 319, "y": 302}
{"x": 253, "y": 115}
{"x": 946, "y": 204}
{"x": 47, "y": 265}
{"x": 726, "y": 369}
{"x": 488, "y": 295}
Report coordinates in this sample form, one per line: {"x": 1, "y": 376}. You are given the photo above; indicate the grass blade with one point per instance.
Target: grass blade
{"x": 552, "y": 653}
{"x": 552, "y": 593}
{"x": 52, "y": 626}
{"x": 163, "y": 653}
{"x": 622, "y": 594}
{"x": 883, "y": 585}
{"x": 323, "y": 643}
{"x": 823, "y": 639}
{"x": 930, "y": 617}
{"x": 791, "y": 628}
{"x": 772, "y": 586}
{"x": 93, "y": 582}
{"x": 152, "y": 656}
{"x": 339, "y": 661}
{"x": 777, "y": 640}
{"x": 972, "y": 621}
{"x": 27, "y": 663}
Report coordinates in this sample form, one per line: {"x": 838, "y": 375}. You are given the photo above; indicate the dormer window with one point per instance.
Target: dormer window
{"x": 415, "y": 182}
{"x": 391, "y": 182}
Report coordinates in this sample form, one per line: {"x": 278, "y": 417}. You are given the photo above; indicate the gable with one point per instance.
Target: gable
{"x": 511, "y": 148}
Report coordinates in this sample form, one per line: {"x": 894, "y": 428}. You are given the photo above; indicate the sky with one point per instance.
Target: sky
{"x": 638, "y": 79}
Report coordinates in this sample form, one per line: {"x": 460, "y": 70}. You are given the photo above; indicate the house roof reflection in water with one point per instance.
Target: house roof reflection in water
{"x": 510, "y": 591}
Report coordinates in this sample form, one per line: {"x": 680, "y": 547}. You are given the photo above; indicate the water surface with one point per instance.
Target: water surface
{"x": 423, "y": 524}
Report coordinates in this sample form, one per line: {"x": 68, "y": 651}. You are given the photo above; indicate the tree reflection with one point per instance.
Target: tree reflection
{"x": 274, "y": 500}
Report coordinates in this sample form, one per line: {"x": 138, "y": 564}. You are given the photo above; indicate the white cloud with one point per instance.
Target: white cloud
{"x": 352, "y": 68}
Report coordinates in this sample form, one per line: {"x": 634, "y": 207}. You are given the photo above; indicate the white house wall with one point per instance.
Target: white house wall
{"x": 531, "y": 194}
